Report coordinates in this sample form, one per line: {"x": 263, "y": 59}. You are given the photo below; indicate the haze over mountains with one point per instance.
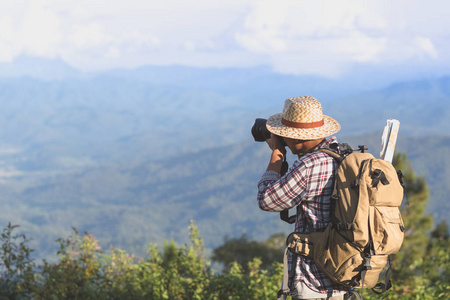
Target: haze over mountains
{"x": 103, "y": 113}
{"x": 133, "y": 155}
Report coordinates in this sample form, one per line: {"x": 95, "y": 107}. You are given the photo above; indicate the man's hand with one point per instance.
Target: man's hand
{"x": 276, "y": 143}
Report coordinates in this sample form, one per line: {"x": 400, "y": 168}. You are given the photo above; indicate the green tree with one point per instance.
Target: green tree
{"x": 421, "y": 267}
{"x": 242, "y": 251}
{"x": 83, "y": 271}
{"x": 441, "y": 231}
{"x": 417, "y": 222}
{"x": 16, "y": 264}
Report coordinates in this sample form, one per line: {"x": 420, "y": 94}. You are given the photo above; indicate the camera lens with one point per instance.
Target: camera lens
{"x": 259, "y": 130}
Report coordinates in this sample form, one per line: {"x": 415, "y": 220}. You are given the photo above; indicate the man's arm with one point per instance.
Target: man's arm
{"x": 276, "y": 193}
{"x": 278, "y": 152}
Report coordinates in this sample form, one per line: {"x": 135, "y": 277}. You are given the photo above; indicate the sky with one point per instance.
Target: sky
{"x": 327, "y": 38}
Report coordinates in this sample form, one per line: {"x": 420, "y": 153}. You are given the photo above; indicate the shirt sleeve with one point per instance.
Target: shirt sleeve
{"x": 277, "y": 193}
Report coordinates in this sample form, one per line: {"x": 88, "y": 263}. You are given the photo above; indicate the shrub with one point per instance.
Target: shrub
{"x": 83, "y": 271}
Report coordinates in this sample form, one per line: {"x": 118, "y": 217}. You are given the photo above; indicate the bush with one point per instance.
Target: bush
{"x": 83, "y": 271}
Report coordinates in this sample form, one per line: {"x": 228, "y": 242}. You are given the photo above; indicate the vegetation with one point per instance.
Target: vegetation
{"x": 242, "y": 251}
{"x": 83, "y": 271}
{"x": 421, "y": 268}
{"x": 216, "y": 188}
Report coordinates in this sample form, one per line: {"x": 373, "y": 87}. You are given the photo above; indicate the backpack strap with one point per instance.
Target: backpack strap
{"x": 383, "y": 287}
{"x": 287, "y": 276}
{"x": 352, "y": 293}
{"x": 401, "y": 178}
{"x": 339, "y": 152}
{"x": 284, "y": 215}
{"x": 285, "y": 290}
{"x": 344, "y": 150}
{"x": 377, "y": 177}
{"x": 339, "y": 158}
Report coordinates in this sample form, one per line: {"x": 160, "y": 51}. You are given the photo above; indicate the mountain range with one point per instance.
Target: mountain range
{"x": 133, "y": 155}
{"x": 129, "y": 205}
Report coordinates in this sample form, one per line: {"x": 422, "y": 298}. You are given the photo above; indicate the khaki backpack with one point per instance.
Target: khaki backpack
{"x": 366, "y": 225}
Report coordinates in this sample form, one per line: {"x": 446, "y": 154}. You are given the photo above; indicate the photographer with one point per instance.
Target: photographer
{"x": 307, "y": 185}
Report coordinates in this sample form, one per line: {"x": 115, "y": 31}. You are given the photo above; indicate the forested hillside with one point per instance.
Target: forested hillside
{"x": 129, "y": 205}
{"x": 253, "y": 269}
{"x": 155, "y": 113}
{"x": 133, "y": 155}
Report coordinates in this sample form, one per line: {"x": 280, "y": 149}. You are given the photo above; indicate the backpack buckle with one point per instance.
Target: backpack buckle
{"x": 377, "y": 176}
{"x": 355, "y": 183}
{"x": 343, "y": 226}
{"x": 366, "y": 264}
{"x": 363, "y": 148}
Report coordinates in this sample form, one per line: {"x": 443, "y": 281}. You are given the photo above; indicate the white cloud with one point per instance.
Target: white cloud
{"x": 89, "y": 35}
{"x": 427, "y": 46}
{"x": 7, "y": 46}
{"x": 41, "y": 32}
{"x": 323, "y": 36}
{"x": 326, "y": 36}
{"x": 327, "y": 30}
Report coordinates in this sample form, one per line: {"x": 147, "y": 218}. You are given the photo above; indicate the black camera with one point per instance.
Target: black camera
{"x": 259, "y": 130}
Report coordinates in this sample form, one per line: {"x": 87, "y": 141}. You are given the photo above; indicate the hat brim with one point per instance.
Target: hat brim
{"x": 329, "y": 127}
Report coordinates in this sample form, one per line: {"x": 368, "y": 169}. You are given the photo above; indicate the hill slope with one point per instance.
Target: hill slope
{"x": 133, "y": 155}
{"x": 130, "y": 205}
{"x": 115, "y": 116}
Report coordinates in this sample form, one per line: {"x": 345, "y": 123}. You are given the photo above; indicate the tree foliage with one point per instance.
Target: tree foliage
{"x": 84, "y": 271}
{"x": 242, "y": 251}
{"x": 421, "y": 268}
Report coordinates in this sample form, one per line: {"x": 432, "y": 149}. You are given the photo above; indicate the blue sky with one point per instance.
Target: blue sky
{"x": 328, "y": 38}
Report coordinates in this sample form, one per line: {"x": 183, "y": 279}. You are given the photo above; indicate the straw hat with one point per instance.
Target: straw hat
{"x": 302, "y": 119}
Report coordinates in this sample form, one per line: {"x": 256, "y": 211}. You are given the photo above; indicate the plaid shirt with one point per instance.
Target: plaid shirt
{"x": 307, "y": 185}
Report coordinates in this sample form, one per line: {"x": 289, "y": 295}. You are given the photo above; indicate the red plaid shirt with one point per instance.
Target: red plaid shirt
{"x": 307, "y": 185}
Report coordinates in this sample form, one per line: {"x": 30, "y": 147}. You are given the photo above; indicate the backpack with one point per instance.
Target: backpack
{"x": 365, "y": 226}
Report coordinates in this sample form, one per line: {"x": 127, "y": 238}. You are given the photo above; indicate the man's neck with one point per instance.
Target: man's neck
{"x": 309, "y": 146}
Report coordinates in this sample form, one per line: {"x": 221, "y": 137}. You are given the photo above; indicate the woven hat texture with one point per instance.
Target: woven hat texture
{"x": 302, "y": 118}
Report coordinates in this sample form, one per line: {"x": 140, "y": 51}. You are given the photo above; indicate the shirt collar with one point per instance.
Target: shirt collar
{"x": 326, "y": 143}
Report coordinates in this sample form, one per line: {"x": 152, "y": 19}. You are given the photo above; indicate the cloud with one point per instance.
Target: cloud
{"x": 40, "y": 31}
{"x": 89, "y": 35}
{"x": 326, "y": 37}
{"x": 427, "y": 46}
{"x": 29, "y": 28}
{"x": 323, "y": 37}
{"x": 306, "y": 32}
{"x": 7, "y": 46}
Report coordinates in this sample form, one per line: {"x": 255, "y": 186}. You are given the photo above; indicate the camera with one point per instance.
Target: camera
{"x": 261, "y": 133}
{"x": 259, "y": 130}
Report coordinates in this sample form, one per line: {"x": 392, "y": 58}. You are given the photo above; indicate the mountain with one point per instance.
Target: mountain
{"x": 40, "y": 68}
{"x": 133, "y": 155}
{"x": 423, "y": 107}
{"x": 257, "y": 83}
{"x": 132, "y": 204}
{"x": 114, "y": 116}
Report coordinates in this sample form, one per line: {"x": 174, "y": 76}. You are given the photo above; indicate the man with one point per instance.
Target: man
{"x": 307, "y": 185}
